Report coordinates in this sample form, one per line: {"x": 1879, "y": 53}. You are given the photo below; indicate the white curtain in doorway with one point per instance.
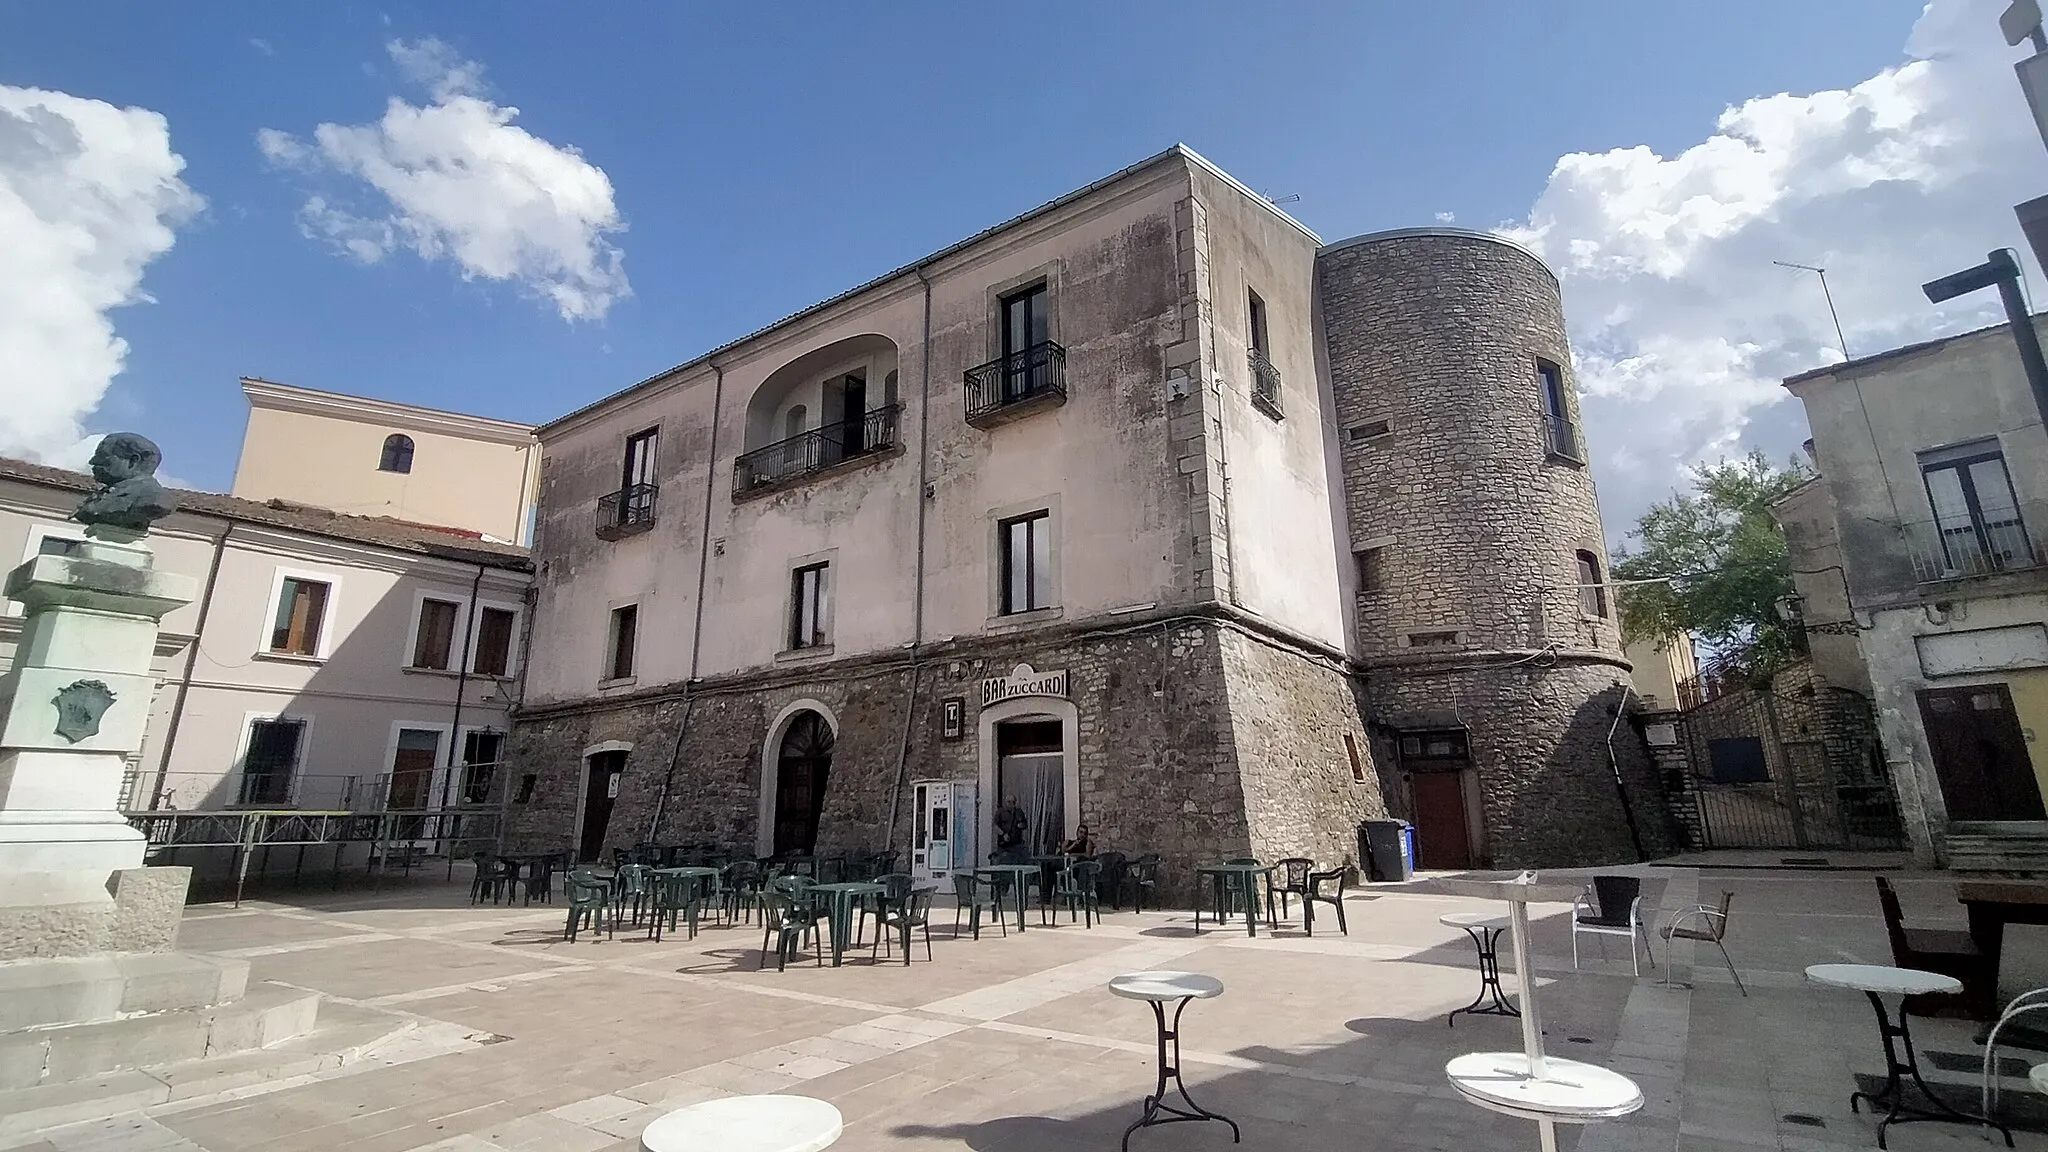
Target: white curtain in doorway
{"x": 1038, "y": 781}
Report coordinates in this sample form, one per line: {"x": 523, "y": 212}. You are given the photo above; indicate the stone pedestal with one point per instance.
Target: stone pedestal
{"x": 72, "y": 710}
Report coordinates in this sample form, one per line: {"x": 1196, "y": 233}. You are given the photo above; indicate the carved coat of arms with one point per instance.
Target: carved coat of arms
{"x": 80, "y": 704}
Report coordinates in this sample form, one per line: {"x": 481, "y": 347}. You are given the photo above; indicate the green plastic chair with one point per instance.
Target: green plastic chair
{"x": 589, "y": 899}
{"x": 975, "y": 895}
{"x": 635, "y": 883}
{"x": 914, "y": 913}
{"x": 673, "y": 899}
{"x": 1075, "y": 887}
{"x": 788, "y": 920}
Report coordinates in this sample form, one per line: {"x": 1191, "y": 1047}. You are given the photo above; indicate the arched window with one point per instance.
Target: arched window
{"x": 397, "y": 454}
{"x": 1592, "y": 592}
{"x": 793, "y": 424}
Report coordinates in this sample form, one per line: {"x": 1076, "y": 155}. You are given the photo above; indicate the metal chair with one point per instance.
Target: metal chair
{"x": 1613, "y": 906}
{"x": 1713, "y": 926}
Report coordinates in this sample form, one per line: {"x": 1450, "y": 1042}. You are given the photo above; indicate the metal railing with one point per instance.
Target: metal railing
{"x": 1265, "y": 382}
{"x": 816, "y": 450}
{"x": 1560, "y": 438}
{"x": 473, "y": 785}
{"x": 629, "y": 510}
{"x": 1958, "y": 548}
{"x": 1037, "y": 375}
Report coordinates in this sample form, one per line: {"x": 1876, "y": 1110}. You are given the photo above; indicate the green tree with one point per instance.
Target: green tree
{"x": 1717, "y": 565}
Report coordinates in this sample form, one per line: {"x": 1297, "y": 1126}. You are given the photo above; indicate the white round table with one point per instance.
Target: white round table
{"x": 1485, "y": 929}
{"x": 1156, "y": 988}
{"x": 2039, "y": 1077}
{"x": 1877, "y": 981}
{"x": 746, "y": 1124}
{"x": 1570, "y": 1092}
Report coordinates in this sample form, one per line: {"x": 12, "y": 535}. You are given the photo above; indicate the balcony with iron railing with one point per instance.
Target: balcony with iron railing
{"x": 1016, "y": 385}
{"x": 1990, "y": 544}
{"x": 862, "y": 440}
{"x": 1265, "y": 384}
{"x": 628, "y": 511}
{"x": 1561, "y": 439}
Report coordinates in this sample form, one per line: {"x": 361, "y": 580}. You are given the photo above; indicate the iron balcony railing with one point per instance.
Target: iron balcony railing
{"x": 411, "y": 790}
{"x": 1560, "y": 438}
{"x": 1265, "y": 383}
{"x": 1984, "y": 545}
{"x": 1010, "y": 385}
{"x": 629, "y": 510}
{"x": 817, "y": 449}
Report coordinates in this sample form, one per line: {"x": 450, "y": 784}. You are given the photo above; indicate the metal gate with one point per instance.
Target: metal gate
{"x": 1796, "y": 767}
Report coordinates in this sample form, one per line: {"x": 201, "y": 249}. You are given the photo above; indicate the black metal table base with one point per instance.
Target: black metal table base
{"x": 1169, "y": 1068}
{"x": 1488, "y": 942}
{"x": 1892, "y": 1095}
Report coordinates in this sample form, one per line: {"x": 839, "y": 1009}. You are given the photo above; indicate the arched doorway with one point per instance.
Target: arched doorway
{"x": 803, "y": 764}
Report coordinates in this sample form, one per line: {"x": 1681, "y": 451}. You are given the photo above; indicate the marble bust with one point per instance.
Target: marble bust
{"x": 128, "y": 499}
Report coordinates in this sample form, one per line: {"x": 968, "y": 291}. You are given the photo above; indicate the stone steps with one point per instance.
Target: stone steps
{"x": 80, "y": 990}
{"x": 266, "y": 1015}
{"x": 347, "y": 1033}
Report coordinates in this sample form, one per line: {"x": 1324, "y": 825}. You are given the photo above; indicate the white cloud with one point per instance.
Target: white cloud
{"x": 1681, "y": 325}
{"x": 456, "y": 179}
{"x": 1447, "y": 217}
{"x": 89, "y": 195}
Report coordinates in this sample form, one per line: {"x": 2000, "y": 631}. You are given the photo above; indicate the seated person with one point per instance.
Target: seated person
{"x": 1080, "y": 845}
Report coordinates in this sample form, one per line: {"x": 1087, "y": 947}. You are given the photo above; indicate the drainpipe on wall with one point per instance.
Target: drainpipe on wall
{"x": 461, "y": 685}
{"x": 163, "y": 769}
{"x": 675, "y": 754}
{"x": 924, "y": 423}
{"x": 1628, "y": 813}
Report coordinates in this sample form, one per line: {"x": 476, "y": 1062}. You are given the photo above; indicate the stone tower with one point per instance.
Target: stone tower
{"x": 1494, "y": 675}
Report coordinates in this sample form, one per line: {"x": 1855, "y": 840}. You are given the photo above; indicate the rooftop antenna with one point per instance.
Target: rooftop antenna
{"x": 1836, "y": 316}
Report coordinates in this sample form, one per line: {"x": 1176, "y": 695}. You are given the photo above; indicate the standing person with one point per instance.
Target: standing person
{"x": 1010, "y": 826}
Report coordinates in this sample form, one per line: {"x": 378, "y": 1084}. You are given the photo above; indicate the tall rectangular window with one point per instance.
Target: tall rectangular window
{"x": 271, "y": 760}
{"x": 1559, "y": 437}
{"x": 301, "y": 610}
{"x": 639, "y": 462}
{"x": 433, "y": 646}
{"x": 1552, "y": 379}
{"x": 1026, "y": 562}
{"x": 1257, "y": 325}
{"x": 493, "y": 651}
{"x": 1592, "y": 591}
{"x": 481, "y": 753}
{"x": 810, "y": 616}
{"x": 624, "y": 638}
{"x": 1976, "y": 514}
{"x": 1025, "y": 320}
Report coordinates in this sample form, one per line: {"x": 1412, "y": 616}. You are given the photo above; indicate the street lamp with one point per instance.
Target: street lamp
{"x": 2000, "y": 270}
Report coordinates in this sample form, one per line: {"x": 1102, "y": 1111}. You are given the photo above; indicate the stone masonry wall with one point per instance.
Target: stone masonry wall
{"x": 1539, "y": 740}
{"x": 1184, "y": 725}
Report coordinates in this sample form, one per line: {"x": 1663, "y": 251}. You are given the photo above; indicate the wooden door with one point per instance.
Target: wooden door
{"x": 412, "y": 769}
{"x": 600, "y": 792}
{"x": 1980, "y": 754}
{"x": 1441, "y": 838}
{"x": 803, "y": 769}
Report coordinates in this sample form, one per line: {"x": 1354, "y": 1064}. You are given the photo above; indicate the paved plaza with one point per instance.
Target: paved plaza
{"x": 504, "y": 1037}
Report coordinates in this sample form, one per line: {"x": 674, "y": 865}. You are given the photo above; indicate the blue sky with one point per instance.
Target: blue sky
{"x": 762, "y": 157}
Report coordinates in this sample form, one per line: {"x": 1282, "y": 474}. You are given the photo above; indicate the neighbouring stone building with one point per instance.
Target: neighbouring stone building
{"x": 1922, "y": 567}
{"x": 1144, "y": 509}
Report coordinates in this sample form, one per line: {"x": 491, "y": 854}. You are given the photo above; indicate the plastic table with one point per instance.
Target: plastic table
{"x": 1156, "y": 988}
{"x": 1878, "y": 981}
{"x": 1485, "y": 929}
{"x": 1019, "y": 875}
{"x": 1245, "y": 878}
{"x": 746, "y": 1124}
{"x": 840, "y": 898}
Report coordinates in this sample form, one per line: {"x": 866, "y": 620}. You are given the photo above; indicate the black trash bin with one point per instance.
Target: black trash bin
{"x": 1386, "y": 847}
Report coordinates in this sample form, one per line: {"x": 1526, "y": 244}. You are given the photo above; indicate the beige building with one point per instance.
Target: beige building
{"x": 1144, "y": 509}
{"x": 1665, "y": 672}
{"x": 1921, "y": 554}
{"x": 364, "y": 457}
{"x": 330, "y": 662}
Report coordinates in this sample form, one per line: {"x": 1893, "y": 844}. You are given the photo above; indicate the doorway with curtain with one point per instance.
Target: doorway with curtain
{"x": 1031, "y": 771}
{"x": 803, "y": 766}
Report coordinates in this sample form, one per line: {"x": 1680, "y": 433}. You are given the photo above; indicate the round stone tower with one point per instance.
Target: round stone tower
{"x": 1494, "y": 662}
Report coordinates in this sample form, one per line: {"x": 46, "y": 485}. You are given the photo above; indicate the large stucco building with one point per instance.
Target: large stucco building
{"x": 1921, "y": 553}
{"x": 1145, "y": 509}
